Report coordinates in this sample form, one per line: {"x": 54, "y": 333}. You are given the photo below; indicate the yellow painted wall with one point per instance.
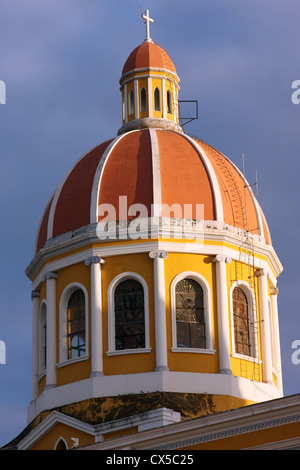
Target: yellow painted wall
{"x": 141, "y": 264}
{"x": 177, "y": 263}
{"x": 128, "y": 363}
{"x": 157, "y": 83}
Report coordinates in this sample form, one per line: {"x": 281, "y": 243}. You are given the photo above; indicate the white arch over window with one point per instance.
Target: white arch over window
{"x": 42, "y": 337}
{"x": 207, "y": 312}
{"x": 252, "y": 315}
{"x": 61, "y": 444}
{"x": 111, "y": 314}
{"x": 63, "y": 321}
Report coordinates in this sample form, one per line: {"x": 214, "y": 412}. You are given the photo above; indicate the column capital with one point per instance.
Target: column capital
{"x": 35, "y": 294}
{"x": 274, "y": 290}
{"x": 219, "y": 258}
{"x": 49, "y": 275}
{"x": 94, "y": 260}
{"x": 261, "y": 272}
{"x": 158, "y": 254}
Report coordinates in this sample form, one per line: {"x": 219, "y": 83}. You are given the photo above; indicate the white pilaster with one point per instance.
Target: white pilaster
{"x": 125, "y": 104}
{"x": 164, "y": 97}
{"x": 274, "y": 306}
{"x": 35, "y": 297}
{"x": 160, "y": 309}
{"x": 264, "y": 312}
{"x": 50, "y": 278}
{"x": 223, "y": 314}
{"x": 96, "y": 315}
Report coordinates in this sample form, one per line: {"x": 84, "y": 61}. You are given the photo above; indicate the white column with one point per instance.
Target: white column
{"x": 160, "y": 309}
{"x": 266, "y": 333}
{"x": 35, "y": 297}
{"x": 96, "y": 315}
{"x": 175, "y": 104}
{"x": 50, "y": 278}
{"x": 274, "y": 306}
{"x": 125, "y": 103}
{"x": 164, "y": 97}
{"x": 223, "y": 314}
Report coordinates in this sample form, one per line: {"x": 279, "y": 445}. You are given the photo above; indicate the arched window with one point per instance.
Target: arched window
{"x": 143, "y": 99}
{"x": 61, "y": 444}
{"x": 190, "y": 318}
{"x": 129, "y": 315}
{"x": 131, "y": 102}
{"x": 243, "y": 323}
{"x": 157, "y": 99}
{"x": 43, "y": 338}
{"x": 76, "y": 339}
{"x": 169, "y": 102}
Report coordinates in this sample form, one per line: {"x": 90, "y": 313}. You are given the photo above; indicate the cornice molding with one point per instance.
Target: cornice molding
{"x": 211, "y": 231}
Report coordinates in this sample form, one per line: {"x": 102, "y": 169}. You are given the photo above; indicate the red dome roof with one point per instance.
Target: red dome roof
{"x": 152, "y": 166}
{"x": 148, "y": 55}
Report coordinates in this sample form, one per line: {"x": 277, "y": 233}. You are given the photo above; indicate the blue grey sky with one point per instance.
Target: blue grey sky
{"x": 61, "y": 61}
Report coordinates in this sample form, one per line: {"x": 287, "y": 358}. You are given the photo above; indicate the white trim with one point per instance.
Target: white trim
{"x": 125, "y": 104}
{"x": 170, "y": 75}
{"x": 212, "y": 178}
{"x": 98, "y": 178}
{"x": 155, "y": 173}
{"x": 63, "y": 305}
{"x": 175, "y": 247}
{"x": 58, "y": 441}
{"x": 252, "y": 316}
{"x": 150, "y": 99}
{"x": 164, "y": 100}
{"x": 207, "y": 311}
{"x": 111, "y": 313}
{"x": 148, "y": 382}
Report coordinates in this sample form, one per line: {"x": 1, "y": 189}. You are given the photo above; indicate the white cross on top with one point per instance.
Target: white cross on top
{"x": 147, "y": 22}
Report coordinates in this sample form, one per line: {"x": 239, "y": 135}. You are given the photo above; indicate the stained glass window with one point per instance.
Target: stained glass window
{"x": 242, "y": 329}
{"x": 190, "y": 321}
{"x": 129, "y": 315}
{"x": 76, "y": 325}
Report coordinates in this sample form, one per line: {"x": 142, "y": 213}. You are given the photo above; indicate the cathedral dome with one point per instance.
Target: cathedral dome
{"x": 148, "y": 167}
{"x": 148, "y": 55}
